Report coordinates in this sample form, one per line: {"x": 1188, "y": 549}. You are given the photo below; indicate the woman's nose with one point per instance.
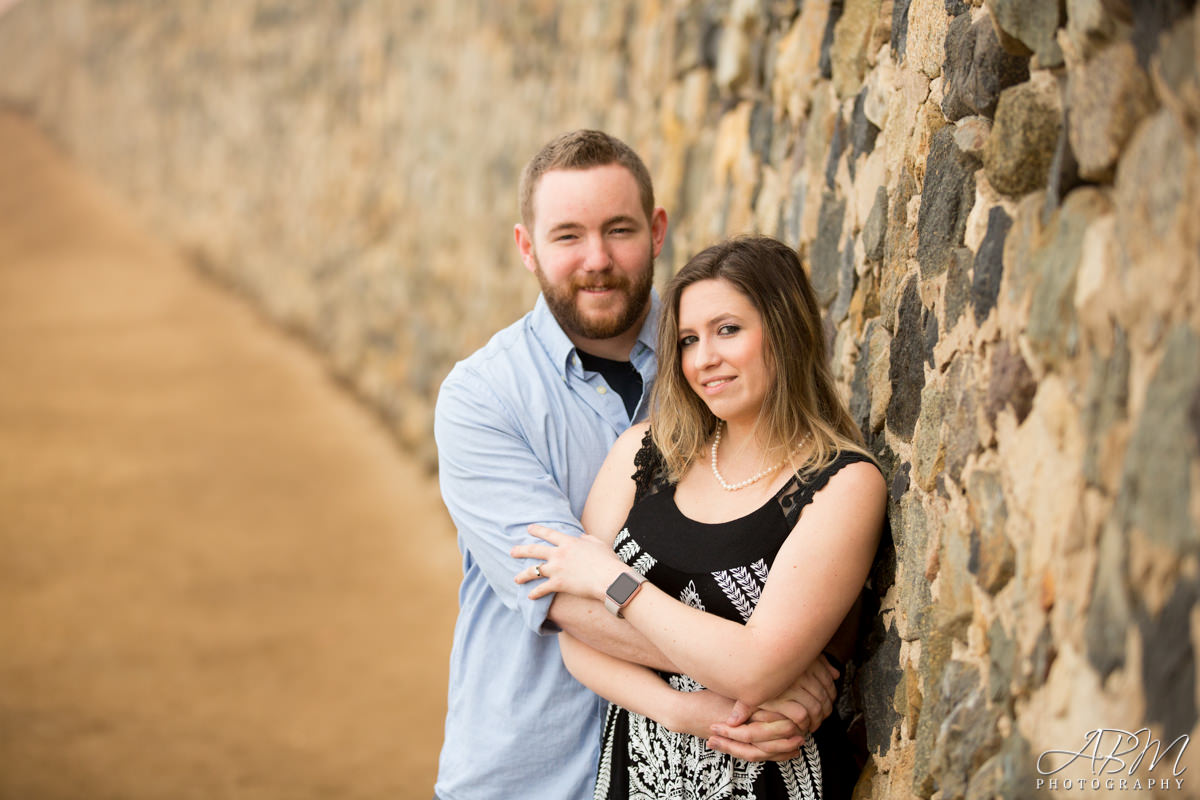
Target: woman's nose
{"x": 704, "y": 354}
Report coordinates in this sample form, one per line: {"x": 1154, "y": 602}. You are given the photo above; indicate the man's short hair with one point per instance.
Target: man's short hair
{"x": 583, "y": 149}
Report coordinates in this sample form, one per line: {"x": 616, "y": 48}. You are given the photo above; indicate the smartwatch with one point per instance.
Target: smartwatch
{"x": 622, "y": 591}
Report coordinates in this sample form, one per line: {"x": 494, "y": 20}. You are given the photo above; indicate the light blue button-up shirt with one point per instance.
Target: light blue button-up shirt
{"x": 521, "y": 432}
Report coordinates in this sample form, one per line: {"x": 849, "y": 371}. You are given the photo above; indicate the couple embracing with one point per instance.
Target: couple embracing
{"x": 664, "y": 511}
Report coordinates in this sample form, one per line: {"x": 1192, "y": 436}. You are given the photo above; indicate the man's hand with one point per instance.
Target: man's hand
{"x": 777, "y": 730}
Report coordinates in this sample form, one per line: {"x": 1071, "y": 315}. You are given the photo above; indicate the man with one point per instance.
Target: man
{"x": 522, "y": 427}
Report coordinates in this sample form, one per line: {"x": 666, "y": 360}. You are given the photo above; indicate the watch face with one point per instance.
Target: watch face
{"x": 622, "y": 588}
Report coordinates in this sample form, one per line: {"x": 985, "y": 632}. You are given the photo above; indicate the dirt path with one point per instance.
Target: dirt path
{"x": 218, "y": 578}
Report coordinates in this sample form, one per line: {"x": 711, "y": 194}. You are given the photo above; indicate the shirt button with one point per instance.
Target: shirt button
{"x": 602, "y": 389}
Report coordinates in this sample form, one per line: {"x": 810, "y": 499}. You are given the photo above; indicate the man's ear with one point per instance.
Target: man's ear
{"x": 524, "y": 239}
{"x": 658, "y": 229}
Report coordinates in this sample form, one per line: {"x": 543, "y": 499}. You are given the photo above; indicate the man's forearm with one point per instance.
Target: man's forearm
{"x": 591, "y": 623}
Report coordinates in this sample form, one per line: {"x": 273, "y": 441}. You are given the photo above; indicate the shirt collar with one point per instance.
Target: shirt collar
{"x": 562, "y": 350}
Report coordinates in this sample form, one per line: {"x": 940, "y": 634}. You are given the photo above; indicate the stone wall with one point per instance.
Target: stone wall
{"x": 999, "y": 202}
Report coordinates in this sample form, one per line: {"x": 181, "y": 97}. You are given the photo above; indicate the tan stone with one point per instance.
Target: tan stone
{"x": 797, "y": 69}
{"x": 928, "y": 24}
{"x": 852, "y": 35}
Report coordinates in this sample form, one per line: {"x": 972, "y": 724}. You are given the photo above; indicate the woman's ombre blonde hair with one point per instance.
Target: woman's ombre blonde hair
{"x": 801, "y": 400}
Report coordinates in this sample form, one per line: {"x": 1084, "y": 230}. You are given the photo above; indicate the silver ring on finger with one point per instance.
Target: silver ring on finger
{"x": 537, "y": 571}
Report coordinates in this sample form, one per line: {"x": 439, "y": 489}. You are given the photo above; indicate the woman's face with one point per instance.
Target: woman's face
{"x": 722, "y": 349}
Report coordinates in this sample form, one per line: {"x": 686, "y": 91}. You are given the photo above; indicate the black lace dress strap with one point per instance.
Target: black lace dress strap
{"x": 650, "y": 469}
{"x": 799, "y": 491}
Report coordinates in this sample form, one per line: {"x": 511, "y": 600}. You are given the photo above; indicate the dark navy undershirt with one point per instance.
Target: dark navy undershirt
{"x": 621, "y": 376}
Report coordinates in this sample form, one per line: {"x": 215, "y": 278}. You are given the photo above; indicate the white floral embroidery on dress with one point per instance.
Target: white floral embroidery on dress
{"x": 743, "y": 588}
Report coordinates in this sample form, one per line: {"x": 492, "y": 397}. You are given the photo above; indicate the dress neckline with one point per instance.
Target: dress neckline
{"x": 773, "y": 499}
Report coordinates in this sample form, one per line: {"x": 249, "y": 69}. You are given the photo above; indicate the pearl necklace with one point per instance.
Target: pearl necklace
{"x": 733, "y": 487}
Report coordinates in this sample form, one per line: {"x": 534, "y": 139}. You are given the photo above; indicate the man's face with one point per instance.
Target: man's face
{"x": 593, "y": 249}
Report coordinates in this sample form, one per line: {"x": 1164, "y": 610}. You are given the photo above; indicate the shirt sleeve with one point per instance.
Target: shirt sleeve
{"x": 495, "y": 486}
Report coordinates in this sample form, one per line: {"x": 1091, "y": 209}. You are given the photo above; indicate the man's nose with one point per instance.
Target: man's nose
{"x": 597, "y": 256}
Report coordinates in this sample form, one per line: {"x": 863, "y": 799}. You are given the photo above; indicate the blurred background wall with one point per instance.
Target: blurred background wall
{"x": 998, "y": 200}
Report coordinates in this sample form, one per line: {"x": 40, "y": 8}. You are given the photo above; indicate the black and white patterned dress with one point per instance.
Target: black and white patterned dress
{"x": 719, "y": 568}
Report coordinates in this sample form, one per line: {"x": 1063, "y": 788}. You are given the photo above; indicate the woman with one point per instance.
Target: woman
{"x": 751, "y": 465}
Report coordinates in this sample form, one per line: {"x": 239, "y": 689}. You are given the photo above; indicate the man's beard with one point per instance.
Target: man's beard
{"x": 562, "y": 302}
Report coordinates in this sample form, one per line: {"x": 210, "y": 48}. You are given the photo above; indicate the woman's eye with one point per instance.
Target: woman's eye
{"x": 728, "y": 330}
{"x": 686, "y": 340}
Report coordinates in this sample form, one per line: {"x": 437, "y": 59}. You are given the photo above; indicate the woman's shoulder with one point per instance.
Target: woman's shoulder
{"x": 634, "y": 437}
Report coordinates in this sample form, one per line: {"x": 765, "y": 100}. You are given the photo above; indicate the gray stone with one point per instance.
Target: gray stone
{"x": 971, "y": 135}
{"x": 1064, "y": 169}
{"x": 993, "y": 559}
{"x": 837, "y": 145}
{"x": 898, "y": 485}
{"x": 899, "y": 40}
{"x": 906, "y": 372}
{"x": 1177, "y": 77}
{"x": 1151, "y": 19}
{"x": 1053, "y": 329}
{"x": 915, "y": 600}
{"x": 1011, "y": 384}
{"x": 836, "y": 7}
{"x": 989, "y": 264}
{"x": 946, "y": 201}
{"x": 794, "y": 216}
{"x": 825, "y": 259}
{"x": 1169, "y": 662}
{"x": 1106, "y": 403}
{"x": 860, "y": 388}
{"x": 955, "y": 605}
{"x": 863, "y": 132}
{"x": 875, "y": 686}
{"x": 1110, "y": 612}
{"x": 1107, "y": 97}
{"x": 1029, "y": 27}
{"x": 969, "y": 735}
{"x": 944, "y": 681}
{"x": 961, "y": 436}
{"x": 847, "y": 282}
{"x": 956, "y": 7}
{"x": 1155, "y": 494}
{"x": 1002, "y": 657}
{"x": 897, "y": 241}
{"x": 931, "y": 338}
{"x": 875, "y": 228}
{"x": 1151, "y": 187}
{"x": 762, "y": 128}
{"x": 1019, "y": 152}
{"x": 977, "y": 69}
{"x": 958, "y": 286}
{"x": 1041, "y": 659}
{"x": 1095, "y": 23}
{"x": 1007, "y": 775}
{"x": 928, "y": 444}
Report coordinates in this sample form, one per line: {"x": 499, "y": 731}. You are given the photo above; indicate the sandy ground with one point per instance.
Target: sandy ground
{"x": 218, "y": 577}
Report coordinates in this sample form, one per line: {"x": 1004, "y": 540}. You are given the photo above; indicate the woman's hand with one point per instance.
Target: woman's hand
{"x": 583, "y": 565}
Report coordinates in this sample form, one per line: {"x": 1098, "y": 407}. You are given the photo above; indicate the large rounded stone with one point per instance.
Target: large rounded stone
{"x": 1030, "y": 27}
{"x": 1020, "y": 150}
{"x": 977, "y": 69}
{"x": 1106, "y": 98}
